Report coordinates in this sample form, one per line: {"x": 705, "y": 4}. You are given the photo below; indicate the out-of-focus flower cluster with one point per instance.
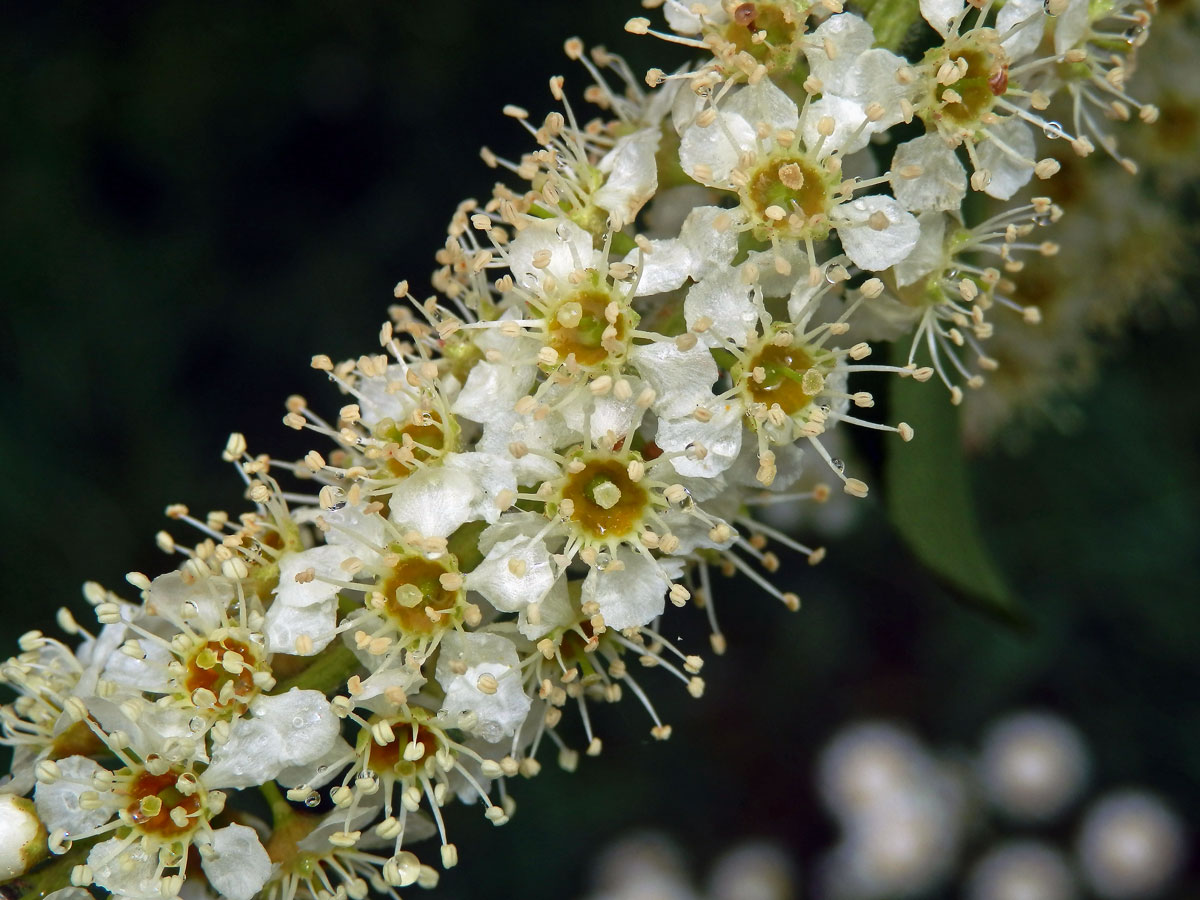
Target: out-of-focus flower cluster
{"x": 651, "y": 339}
{"x": 913, "y": 820}
{"x": 648, "y": 866}
{"x": 916, "y": 822}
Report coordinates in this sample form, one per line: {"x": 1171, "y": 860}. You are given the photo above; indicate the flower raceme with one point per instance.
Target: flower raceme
{"x": 657, "y": 335}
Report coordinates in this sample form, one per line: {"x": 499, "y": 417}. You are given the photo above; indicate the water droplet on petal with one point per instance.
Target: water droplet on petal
{"x": 838, "y": 465}
{"x": 298, "y": 721}
{"x": 312, "y": 800}
{"x": 196, "y": 723}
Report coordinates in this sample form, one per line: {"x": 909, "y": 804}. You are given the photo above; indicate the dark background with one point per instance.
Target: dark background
{"x": 195, "y": 198}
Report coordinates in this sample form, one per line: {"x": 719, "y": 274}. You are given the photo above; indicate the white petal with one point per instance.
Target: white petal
{"x": 692, "y": 531}
{"x": 848, "y": 37}
{"x": 148, "y": 674}
{"x": 497, "y": 713}
{"x": 804, "y": 300}
{"x": 847, "y": 115}
{"x": 325, "y": 560}
{"x": 553, "y": 611}
{"x": 304, "y": 720}
{"x": 236, "y": 865}
{"x": 928, "y": 254}
{"x": 717, "y": 146}
{"x": 1071, "y": 26}
{"x": 379, "y": 683}
{"x": 789, "y": 464}
{"x": 681, "y": 15}
{"x": 292, "y": 729}
{"x": 700, "y": 249}
{"x": 201, "y": 601}
{"x": 942, "y": 183}
{"x": 494, "y": 577}
{"x": 770, "y": 280}
{"x": 632, "y": 175}
{"x": 712, "y": 247}
{"x": 387, "y": 396}
{"x": 58, "y": 801}
{"x": 635, "y": 595}
{"x": 940, "y": 13}
{"x": 514, "y": 523}
{"x": 1030, "y": 15}
{"x": 682, "y": 379}
{"x": 871, "y": 247}
{"x": 721, "y": 437}
{"x": 601, "y": 415}
{"x": 324, "y": 769}
{"x": 1010, "y": 168}
{"x": 492, "y": 389}
{"x": 549, "y": 433}
{"x": 493, "y": 475}
{"x": 659, "y": 103}
{"x": 434, "y": 501}
{"x": 569, "y": 245}
{"x": 285, "y": 624}
{"x": 764, "y": 104}
{"x": 733, "y": 307}
{"x": 665, "y": 268}
{"x": 355, "y": 530}
{"x": 872, "y": 78}
{"x": 128, "y": 872}
{"x": 686, "y": 106}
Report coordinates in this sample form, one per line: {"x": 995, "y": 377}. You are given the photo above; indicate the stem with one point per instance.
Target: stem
{"x": 892, "y": 20}
{"x": 327, "y": 672}
{"x": 281, "y": 810}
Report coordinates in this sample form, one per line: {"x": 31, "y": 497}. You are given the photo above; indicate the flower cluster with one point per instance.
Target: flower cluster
{"x": 624, "y": 360}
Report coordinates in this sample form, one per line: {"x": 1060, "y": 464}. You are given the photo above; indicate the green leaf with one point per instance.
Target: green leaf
{"x": 931, "y": 504}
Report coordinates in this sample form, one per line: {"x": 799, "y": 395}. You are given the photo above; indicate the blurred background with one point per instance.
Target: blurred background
{"x": 195, "y": 198}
